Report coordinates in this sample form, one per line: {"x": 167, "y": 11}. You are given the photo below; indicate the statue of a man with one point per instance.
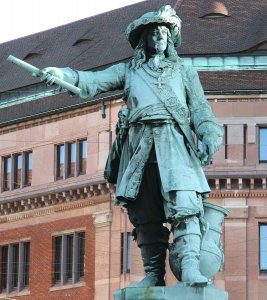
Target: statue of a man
{"x": 154, "y": 160}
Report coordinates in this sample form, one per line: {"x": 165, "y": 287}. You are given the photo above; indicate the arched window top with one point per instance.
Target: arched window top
{"x": 213, "y": 10}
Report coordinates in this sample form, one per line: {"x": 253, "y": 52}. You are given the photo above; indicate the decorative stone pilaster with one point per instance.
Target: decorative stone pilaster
{"x": 102, "y": 222}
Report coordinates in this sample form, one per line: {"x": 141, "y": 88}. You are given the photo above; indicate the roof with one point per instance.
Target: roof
{"x": 99, "y": 41}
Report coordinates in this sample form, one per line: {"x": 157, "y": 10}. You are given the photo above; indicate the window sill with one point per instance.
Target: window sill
{"x": 24, "y": 292}
{"x": 262, "y": 276}
{"x": 67, "y": 286}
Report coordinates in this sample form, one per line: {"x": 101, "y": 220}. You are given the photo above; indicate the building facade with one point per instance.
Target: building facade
{"x": 61, "y": 236}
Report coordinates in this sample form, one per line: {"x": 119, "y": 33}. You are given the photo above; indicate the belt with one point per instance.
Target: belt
{"x": 152, "y": 122}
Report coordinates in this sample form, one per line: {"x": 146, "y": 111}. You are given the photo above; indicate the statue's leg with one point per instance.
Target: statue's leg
{"x": 187, "y": 241}
{"x": 146, "y": 213}
{"x": 152, "y": 239}
{"x": 184, "y": 209}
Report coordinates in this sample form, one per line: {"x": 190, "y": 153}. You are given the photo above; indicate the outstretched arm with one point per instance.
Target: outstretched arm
{"x": 90, "y": 83}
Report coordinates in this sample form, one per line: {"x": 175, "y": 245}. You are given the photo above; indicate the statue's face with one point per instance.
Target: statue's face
{"x": 157, "y": 39}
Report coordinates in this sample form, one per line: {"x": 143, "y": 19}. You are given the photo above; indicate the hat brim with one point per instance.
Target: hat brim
{"x": 135, "y": 29}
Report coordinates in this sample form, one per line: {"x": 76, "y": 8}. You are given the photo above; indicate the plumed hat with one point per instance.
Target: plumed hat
{"x": 164, "y": 16}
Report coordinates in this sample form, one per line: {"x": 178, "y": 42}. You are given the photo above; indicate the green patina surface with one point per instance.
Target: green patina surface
{"x": 178, "y": 292}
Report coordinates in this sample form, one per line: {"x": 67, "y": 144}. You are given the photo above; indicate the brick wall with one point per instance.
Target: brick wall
{"x": 41, "y": 257}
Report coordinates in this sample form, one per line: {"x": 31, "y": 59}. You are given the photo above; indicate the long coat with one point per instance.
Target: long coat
{"x": 177, "y": 98}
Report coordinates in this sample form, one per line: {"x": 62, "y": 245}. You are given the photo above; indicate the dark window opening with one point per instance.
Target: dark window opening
{"x": 225, "y": 142}
{"x": 81, "y": 246}
{"x": 125, "y": 252}
{"x": 69, "y": 257}
{"x": 26, "y": 264}
{"x": 69, "y": 252}
{"x": 57, "y": 265}
{"x": 15, "y": 267}
{"x": 245, "y": 141}
{"x": 4, "y": 262}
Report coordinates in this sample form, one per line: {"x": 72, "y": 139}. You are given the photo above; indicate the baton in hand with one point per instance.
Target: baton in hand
{"x": 39, "y": 73}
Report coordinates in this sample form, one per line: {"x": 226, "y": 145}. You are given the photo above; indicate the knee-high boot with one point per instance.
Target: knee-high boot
{"x": 153, "y": 244}
{"x": 187, "y": 239}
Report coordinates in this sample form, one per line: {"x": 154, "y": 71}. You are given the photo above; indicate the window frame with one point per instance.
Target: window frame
{"x": 67, "y": 173}
{"x": 259, "y": 144}
{"x": 63, "y": 278}
{"x": 24, "y": 176}
{"x": 262, "y": 270}
{"x": 22, "y": 270}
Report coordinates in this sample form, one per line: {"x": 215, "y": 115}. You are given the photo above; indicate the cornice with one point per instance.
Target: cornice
{"x": 238, "y": 194}
{"x": 246, "y": 185}
{"x": 54, "y": 202}
{"x": 90, "y": 194}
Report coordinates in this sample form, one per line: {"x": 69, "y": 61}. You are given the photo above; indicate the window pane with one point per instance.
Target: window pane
{"x": 263, "y": 247}
{"x": 263, "y": 144}
{"x": 57, "y": 266}
{"x": 17, "y": 171}
{"x": 26, "y": 264}
{"x": 7, "y": 173}
{"x": 28, "y": 168}
{"x": 60, "y": 161}
{"x": 69, "y": 256}
{"x": 122, "y": 252}
{"x": 15, "y": 265}
{"x": 82, "y": 156}
{"x": 127, "y": 252}
{"x": 72, "y": 159}
{"x": 81, "y": 244}
{"x": 128, "y": 263}
{"x": 4, "y": 268}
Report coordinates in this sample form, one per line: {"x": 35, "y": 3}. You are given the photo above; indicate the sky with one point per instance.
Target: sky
{"x": 23, "y": 17}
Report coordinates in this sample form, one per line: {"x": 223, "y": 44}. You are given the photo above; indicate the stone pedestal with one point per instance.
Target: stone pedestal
{"x": 178, "y": 292}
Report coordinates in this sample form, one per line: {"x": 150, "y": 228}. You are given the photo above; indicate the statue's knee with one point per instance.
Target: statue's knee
{"x": 185, "y": 226}
{"x": 152, "y": 234}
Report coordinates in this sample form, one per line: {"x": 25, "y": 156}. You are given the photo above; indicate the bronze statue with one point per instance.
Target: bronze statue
{"x": 154, "y": 160}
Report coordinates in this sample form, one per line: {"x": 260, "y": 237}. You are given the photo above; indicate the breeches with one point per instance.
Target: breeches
{"x": 154, "y": 206}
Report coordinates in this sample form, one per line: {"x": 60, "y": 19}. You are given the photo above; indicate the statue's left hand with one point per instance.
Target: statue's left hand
{"x": 211, "y": 144}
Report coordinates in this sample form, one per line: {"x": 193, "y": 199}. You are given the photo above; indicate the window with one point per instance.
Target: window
{"x": 71, "y": 159}
{"x": 263, "y": 247}
{"x": 213, "y": 9}
{"x": 263, "y": 144}
{"x": 125, "y": 252}
{"x": 17, "y": 171}
{"x": 245, "y": 141}
{"x": 15, "y": 267}
{"x": 69, "y": 250}
{"x": 225, "y": 141}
